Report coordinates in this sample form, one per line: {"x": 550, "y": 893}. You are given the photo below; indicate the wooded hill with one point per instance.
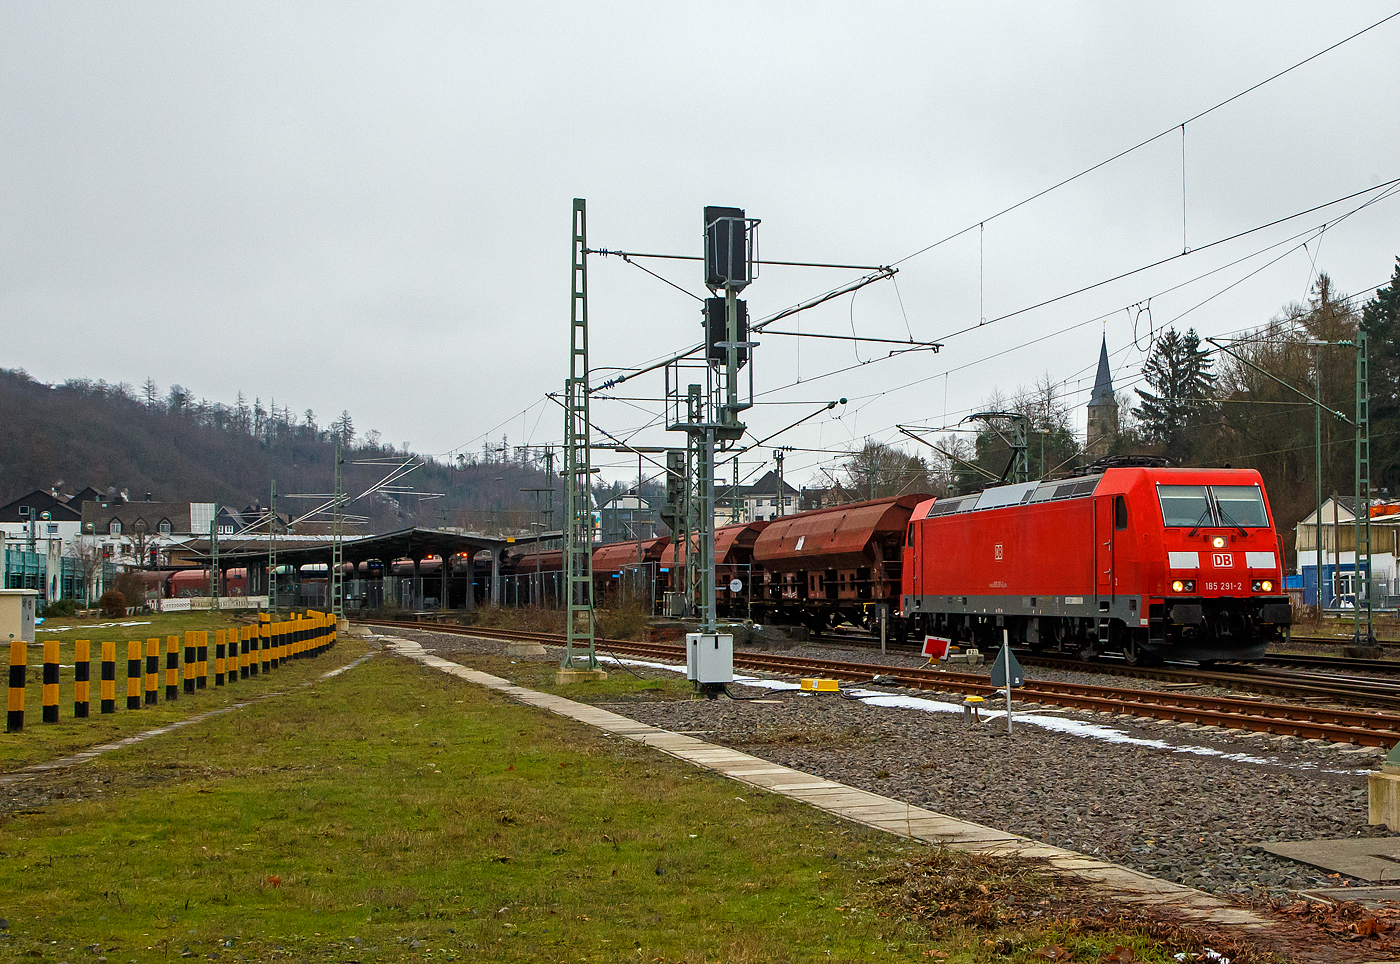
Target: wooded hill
{"x": 179, "y": 449}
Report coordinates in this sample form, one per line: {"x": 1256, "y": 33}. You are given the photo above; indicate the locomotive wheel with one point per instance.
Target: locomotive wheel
{"x": 1135, "y": 655}
{"x": 1088, "y": 652}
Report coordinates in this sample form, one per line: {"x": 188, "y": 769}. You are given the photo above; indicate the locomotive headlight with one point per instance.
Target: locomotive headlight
{"x": 1178, "y": 586}
{"x": 1263, "y": 585}
{"x": 1218, "y": 542}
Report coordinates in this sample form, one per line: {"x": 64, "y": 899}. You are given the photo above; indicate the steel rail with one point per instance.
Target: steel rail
{"x": 1341, "y": 726}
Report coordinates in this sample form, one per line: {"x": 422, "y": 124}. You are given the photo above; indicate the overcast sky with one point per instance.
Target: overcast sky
{"x": 366, "y": 206}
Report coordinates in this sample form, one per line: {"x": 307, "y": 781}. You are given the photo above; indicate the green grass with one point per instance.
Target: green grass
{"x": 395, "y": 813}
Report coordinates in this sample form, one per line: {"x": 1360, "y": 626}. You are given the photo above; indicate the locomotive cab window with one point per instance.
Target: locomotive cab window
{"x": 1120, "y": 513}
{"x": 1184, "y": 505}
{"x": 1241, "y": 505}
{"x": 1213, "y": 506}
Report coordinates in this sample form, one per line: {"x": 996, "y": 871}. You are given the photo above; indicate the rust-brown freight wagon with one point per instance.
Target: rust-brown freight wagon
{"x": 733, "y": 560}
{"x": 832, "y": 565}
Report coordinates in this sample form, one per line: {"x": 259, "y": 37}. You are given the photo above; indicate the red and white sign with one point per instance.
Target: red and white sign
{"x": 936, "y": 647}
{"x": 1222, "y": 560}
{"x": 997, "y": 551}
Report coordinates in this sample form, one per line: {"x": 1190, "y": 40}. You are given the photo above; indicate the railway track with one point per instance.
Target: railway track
{"x": 1309, "y": 661}
{"x": 1354, "y": 726}
{"x": 1275, "y": 676}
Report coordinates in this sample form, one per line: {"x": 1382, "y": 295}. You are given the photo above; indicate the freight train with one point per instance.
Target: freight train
{"x": 1151, "y": 563}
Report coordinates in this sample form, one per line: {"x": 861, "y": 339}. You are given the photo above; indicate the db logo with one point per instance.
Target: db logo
{"x": 997, "y": 552}
{"x": 1222, "y": 560}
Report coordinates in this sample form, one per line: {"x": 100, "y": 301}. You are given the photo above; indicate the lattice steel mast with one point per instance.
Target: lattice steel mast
{"x": 214, "y": 558}
{"x": 578, "y": 466}
{"x": 1362, "y": 512}
{"x": 272, "y": 550}
{"x": 337, "y": 574}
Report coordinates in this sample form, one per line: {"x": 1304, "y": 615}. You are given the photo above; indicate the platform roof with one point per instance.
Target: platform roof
{"x": 414, "y": 543}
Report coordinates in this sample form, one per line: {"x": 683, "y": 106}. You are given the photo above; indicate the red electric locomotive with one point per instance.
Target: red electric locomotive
{"x": 1154, "y": 563}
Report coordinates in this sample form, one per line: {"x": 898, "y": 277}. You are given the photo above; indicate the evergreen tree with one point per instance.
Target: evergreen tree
{"x": 344, "y": 428}
{"x": 1381, "y": 318}
{"x": 1182, "y": 392}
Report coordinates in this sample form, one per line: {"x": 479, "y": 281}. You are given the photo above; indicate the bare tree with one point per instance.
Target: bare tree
{"x": 879, "y": 470}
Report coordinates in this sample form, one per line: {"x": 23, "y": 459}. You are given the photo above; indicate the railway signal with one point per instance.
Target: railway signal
{"x": 1007, "y": 672}
{"x": 711, "y": 421}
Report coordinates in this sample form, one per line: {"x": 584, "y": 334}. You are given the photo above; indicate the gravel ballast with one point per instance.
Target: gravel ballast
{"x": 1172, "y": 809}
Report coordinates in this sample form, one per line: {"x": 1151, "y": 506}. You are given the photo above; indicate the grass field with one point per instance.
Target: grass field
{"x": 394, "y": 813}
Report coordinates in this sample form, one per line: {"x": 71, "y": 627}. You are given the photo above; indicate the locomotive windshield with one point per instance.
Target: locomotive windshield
{"x": 1241, "y": 505}
{"x": 1184, "y": 505}
{"x": 1213, "y": 506}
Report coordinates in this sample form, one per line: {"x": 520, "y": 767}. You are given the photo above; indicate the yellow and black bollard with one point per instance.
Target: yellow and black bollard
{"x": 152, "y": 670}
{"x": 235, "y": 661}
{"x": 201, "y": 678}
{"x": 265, "y": 642}
{"x": 14, "y": 718}
{"x": 50, "y": 694}
{"x": 109, "y": 676}
{"x": 82, "y": 676}
{"x": 172, "y": 668}
{"x": 220, "y": 642}
{"x": 190, "y": 660}
{"x": 133, "y": 674}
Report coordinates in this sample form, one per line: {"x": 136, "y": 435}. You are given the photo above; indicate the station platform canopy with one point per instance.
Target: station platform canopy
{"x": 414, "y": 543}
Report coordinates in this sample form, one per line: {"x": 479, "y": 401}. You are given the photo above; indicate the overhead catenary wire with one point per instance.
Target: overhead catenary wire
{"x": 1186, "y": 249}
{"x": 1387, "y": 189}
{"x": 1143, "y": 143}
{"x": 982, "y": 222}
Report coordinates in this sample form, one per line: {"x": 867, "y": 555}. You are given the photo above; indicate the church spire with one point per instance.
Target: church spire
{"x": 1103, "y": 382}
{"x": 1103, "y": 409}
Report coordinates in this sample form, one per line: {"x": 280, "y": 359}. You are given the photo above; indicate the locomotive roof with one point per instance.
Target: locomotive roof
{"x": 1021, "y": 494}
{"x": 1058, "y": 490}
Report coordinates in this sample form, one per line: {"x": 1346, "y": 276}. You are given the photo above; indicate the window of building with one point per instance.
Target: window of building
{"x": 225, "y": 530}
{"x": 53, "y": 528}
{"x": 165, "y": 527}
{"x": 114, "y": 528}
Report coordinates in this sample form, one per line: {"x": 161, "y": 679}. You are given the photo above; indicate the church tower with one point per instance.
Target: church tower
{"x": 1103, "y": 410}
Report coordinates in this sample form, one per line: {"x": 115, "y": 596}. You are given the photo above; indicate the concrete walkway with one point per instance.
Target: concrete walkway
{"x": 862, "y": 806}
